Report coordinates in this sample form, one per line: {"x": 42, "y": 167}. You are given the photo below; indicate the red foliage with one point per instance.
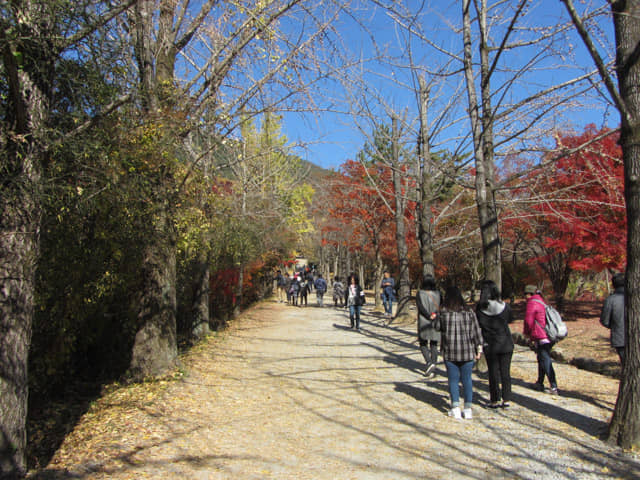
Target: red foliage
{"x": 221, "y": 186}
{"x": 223, "y": 284}
{"x": 361, "y": 202}
{"x": 583, "y": 217}
{"x": 222, "y": 287}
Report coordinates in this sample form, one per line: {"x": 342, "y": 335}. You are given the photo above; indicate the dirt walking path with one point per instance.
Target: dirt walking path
{"x": 292, "y": 393}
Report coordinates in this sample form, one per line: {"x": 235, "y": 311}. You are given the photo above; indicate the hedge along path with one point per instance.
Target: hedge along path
{"x": 292, "y": 393}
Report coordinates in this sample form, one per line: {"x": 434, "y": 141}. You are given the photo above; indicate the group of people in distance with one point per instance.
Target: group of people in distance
{"x": 463, "y": 334}
{"x": 294, "y": 288}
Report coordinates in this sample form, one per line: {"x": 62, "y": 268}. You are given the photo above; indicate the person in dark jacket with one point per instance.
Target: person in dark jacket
{"x": 321, "y": 287}
{"x": 429, "y": 336}
{"x": 287, "y": 285}
{"x": 494, "y": 317}
{"x": 338, "y": 291}
{"x": 308, "y": 276}
{"x": 613, "y": 314}
{"x": 354, "y": 299}
{"x": 304, "y": 291}
{"x": 281, "y": 284}
{"x": 388, "y": 287}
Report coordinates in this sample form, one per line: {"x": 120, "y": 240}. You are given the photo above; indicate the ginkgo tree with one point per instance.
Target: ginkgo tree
{"x": 269, "y": 187}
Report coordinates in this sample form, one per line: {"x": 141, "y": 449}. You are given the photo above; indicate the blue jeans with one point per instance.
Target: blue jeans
{"x": 387, "y": 301}
{"x": 456, "y": 372}
{"x": 354, "y": 315}
{"x": 545, "y": 364}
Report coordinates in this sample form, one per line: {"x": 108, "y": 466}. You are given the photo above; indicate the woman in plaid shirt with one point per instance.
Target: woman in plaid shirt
{"x": 461, "y": 347}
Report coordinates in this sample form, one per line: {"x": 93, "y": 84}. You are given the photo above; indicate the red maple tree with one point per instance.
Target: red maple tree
{"x": 360, "y": 208}
{"x": 576, "y": 217}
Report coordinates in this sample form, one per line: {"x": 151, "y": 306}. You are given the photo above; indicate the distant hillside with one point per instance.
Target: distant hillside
{"x": 316, "y": 174}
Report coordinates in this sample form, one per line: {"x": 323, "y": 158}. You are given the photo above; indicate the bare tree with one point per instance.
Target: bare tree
{"x": 397, "y": 172}
{"x": 495, "y": 122}
{"x": 624, "y": 428}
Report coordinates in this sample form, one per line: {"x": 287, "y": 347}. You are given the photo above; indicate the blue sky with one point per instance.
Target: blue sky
{"x": 331, "y": 138}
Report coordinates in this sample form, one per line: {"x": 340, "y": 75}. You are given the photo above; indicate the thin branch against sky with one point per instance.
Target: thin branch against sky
{"x": 541, "y": 66}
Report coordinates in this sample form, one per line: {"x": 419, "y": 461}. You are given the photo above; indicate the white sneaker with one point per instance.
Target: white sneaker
{"x": 455, "y": 413}
{"x": 466, "y": 413}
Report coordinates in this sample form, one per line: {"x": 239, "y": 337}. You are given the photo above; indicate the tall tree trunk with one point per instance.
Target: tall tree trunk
{"x": 155, "y": 347}
{"x": 19, "y": 244}
{"x": 200, "y": 304}
{"x": 482, "y": 129}
{"x": 404, "y": 282}
{"x": 24, "y": 120}
{"x": 378, "y": 273}
{"x": 625, "y": 424}
{"x": 425, "y": 215}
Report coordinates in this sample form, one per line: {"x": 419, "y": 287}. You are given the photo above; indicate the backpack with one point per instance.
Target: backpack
{"x": 555, "y": 327}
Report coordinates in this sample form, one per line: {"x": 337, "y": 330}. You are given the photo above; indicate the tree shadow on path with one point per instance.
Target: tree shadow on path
{"x": 436, "y": 394}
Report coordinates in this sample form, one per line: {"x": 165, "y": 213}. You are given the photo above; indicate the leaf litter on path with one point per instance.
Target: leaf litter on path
{"x": 292, "y": 393}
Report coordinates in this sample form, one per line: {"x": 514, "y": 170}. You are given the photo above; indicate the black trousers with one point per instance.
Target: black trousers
{"x": 499, "y": 365}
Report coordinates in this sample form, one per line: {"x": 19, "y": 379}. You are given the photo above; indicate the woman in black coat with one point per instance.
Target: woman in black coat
{"x": 494, "y": 317}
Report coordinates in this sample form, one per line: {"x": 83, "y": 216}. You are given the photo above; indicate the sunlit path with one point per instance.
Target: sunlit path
{"x": 292, "y": 393}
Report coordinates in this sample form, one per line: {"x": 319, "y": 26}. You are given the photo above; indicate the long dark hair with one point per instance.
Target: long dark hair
{"x": 428, "y": 283}
{"x": 453, "y": 299}
{"x": 353, "y": 277}
{"x": 488, "y": 291}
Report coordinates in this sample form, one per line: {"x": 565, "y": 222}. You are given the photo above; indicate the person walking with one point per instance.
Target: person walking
{"x": 387, "y": 286}
{"x": 429, "y": 336}
{"x": 534, "y": 323}
{"x": 294, "y": 290}
{"x": 461, "y": 347}
{"x": 338, "y": 292}
{"x": 281, "y": 285}
{"x": 494, "y": 317}
{"x": 354, "y": 299}
{"x": 321, "y": 287}
{"x": 304, "y": 291}
{"x": 613, "y": 314}
{"x": 288, "y": 279}
{"x": 308, "y": 276}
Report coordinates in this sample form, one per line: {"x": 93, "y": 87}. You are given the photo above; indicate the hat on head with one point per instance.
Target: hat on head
{"x": 530, "y": 289}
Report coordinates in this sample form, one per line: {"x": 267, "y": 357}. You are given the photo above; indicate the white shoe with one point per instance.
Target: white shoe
{"x": 455, "y": 413}
{"x": 466, "y": 413}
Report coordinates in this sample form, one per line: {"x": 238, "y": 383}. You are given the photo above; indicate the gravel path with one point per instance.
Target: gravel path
{"x": 291, "y": 393}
